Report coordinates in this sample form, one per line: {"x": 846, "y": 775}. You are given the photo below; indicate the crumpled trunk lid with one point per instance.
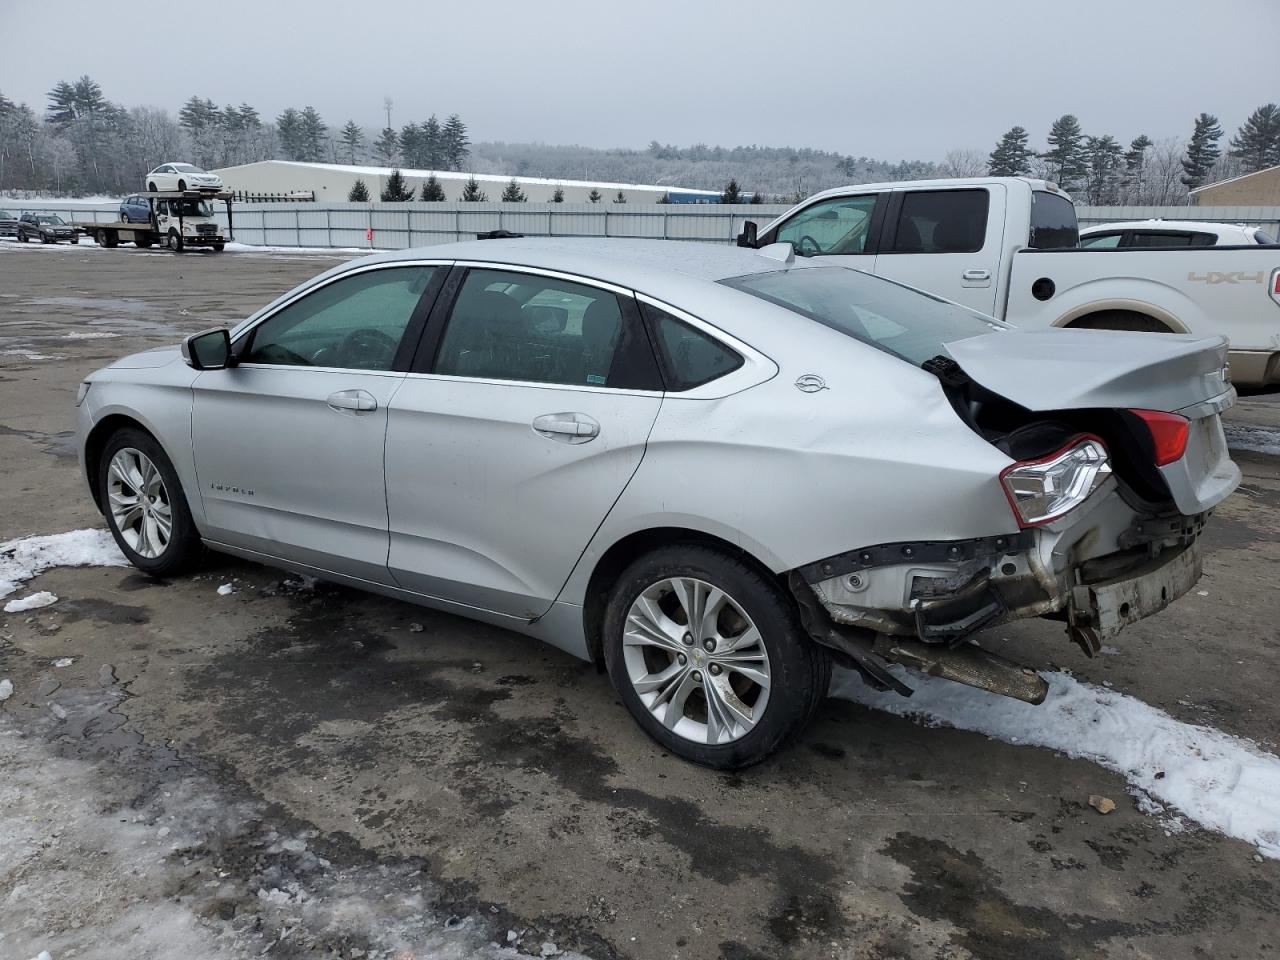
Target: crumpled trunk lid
{"x": 1087, "y": 369}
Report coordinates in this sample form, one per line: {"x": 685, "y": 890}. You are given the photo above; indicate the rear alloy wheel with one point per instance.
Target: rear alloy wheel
{"x": 144, "y": 505}
{"x": 707, "y": 654}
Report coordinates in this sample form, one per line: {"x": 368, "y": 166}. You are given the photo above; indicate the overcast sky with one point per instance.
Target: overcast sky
{"x": 891, "y": 80}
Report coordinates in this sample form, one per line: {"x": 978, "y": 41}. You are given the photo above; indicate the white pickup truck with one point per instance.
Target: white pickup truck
{"x": 1009, "y": 247}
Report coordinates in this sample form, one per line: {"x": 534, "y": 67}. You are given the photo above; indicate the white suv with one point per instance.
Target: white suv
{"x": 182, "y": 176}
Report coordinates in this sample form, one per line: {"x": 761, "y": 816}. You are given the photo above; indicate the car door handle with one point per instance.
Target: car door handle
{"x": 361, "y": 401}
{"x": 976, "y": 275}
{"x": 567, "y": 427}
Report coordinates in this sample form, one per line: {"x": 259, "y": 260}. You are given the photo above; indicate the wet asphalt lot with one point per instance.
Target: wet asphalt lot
{"x": 505, "y": 777}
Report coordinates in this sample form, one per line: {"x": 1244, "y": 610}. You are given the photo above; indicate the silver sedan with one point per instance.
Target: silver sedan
{"x": 715, "y": 471}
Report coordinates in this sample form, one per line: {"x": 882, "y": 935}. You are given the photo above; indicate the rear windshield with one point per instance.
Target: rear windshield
{"x": 881, "y": 313}
{"x": 1053, "y": 221}
{"x": 1263, "y": 238}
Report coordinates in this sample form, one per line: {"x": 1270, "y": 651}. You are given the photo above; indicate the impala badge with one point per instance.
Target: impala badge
{"x": 810, "y": 383}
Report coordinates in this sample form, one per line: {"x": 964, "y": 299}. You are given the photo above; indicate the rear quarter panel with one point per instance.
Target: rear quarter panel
{"x": 1204, "y": 290}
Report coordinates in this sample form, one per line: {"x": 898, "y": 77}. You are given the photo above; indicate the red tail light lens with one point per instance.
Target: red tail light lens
{"x": 1169, "y": 433}
{"x": 1042, "y": 490}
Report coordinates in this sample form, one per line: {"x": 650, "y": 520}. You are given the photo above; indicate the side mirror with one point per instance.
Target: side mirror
{"x": 208, "y": 350}
{"x": 747, "y": 238}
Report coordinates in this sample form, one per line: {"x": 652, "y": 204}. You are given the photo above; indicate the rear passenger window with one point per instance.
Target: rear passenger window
{"x": 1170, "y": 238}
{"x": 1101, "y": 241}
{"x": 515, "y": 326}
{"x": 942, "y": 221}
{"x": 1053, "y": 222}
{"x": 690, "y": 357}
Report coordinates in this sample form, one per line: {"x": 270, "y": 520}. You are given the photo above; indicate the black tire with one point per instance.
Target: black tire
{"x": 184, "y": 549}
{"x": 174, "y": 241}
{"x": 219, "y": 247}
{"x": 1120, "y": 320}
{"x": 800, "y": 670}
{"x": 182, "y": 186}
{"x": 22, "y": 236}
{"x": 141, "y": 241}
{"x": 151, "y": 186}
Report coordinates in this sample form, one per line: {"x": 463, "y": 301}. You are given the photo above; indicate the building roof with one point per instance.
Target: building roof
{"x": 453, "y": 175}
{"x": 1243, "y": 176}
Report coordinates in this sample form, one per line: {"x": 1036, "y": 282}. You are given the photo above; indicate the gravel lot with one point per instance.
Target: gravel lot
{"x": 309, "y": 771}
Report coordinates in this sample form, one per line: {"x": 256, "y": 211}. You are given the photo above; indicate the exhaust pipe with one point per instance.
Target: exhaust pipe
{"x": 968, "y": 664}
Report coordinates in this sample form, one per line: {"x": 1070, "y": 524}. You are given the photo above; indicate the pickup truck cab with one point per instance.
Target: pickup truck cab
{"x": 1172, "y": 233}
{"x": 1009, "y": 247}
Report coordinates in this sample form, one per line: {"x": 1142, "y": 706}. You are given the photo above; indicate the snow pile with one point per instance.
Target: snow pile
{"x": 22, "y": 559}
{"x": 6, "y": 689}
{"x": 37, "y": 600}
{"x": 1224, "y": 783}
{"x": 1246, "y": 436}
{"x": 226, "y": 590}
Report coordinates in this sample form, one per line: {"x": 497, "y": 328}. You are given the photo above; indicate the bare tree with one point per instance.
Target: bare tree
{"x": 1162, "y": 183}
{"x": 963, "y": 163}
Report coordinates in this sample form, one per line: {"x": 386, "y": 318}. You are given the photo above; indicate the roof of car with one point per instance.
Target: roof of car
{"x": 627, "y": 262}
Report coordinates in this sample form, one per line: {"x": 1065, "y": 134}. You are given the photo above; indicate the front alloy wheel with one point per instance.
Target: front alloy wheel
{"x": 696, "y": 660}
{"x": 139, "y": 503}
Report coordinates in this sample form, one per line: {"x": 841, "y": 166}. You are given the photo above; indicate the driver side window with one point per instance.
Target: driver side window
{"x": 355, "y": 323}
{"x": 837, "y": 226}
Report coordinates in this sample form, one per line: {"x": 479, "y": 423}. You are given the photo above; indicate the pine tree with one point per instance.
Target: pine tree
{"x": 1135, "y": 158}
{"x": 1011, "y": 157}
{"x": 1103, "y": 155}
{"x": 731, "y": 193}
{"x": 757, "y": 197}
{"x": 1257, "y": 144}
{"x": 359, "y": 193}
{"x": 352, "y": 139}
{"x": 396, "y": 190}
{"x": 457, "y": 146}
{"x": 557, "y": 196}
{"x": 433, "y": 143}
{"x": 289, "y": 129}
{"x": 386, "y": 146}
{"x": 472, "y": 193}
{"x": 432, "y": 191}
{"x": 411, "y": 146}
{"x": 313, "y": 135}
{"x": 620, "y": 198}
{"x": 1202, "y": 151}
{"x": 594, "y": 195}
{"x": 1066, "y": 153}
{"x": 513, "y": 193}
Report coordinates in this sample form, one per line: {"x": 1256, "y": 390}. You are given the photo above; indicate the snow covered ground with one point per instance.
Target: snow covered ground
{"x": 1221, "y": 782}
{"x": 27, "y": 557}
{"x": 1247, "y": 436}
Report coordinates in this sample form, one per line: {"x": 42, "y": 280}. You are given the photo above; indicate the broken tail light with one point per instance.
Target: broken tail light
{"x": 1169, "y": 433}
{"x": 1044, "y": 489}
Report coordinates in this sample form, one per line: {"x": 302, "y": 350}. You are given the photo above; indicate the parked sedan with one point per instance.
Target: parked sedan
{"x": 181, "y": 176}
{"x": 715, "y": 471}
{"x": 8, "y": 223}
{"x": 1173, "y": 233}
{"x": 47, "y": 228}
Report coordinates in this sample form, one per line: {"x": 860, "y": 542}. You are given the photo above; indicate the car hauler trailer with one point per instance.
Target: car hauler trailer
{"x": 178, "y": 219}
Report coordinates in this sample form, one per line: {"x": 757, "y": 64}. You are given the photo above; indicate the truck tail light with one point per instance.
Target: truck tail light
{"x": 1044, "y": 489}
{"x": 1169, "y": 433}
{"x": 1275, "y": 285}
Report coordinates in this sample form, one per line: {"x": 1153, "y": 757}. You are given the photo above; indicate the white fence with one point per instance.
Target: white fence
{"x": 399, "y": 225}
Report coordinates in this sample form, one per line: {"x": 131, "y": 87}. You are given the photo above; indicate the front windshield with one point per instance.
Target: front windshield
{"x": 907, "y": 323}
{"x": 186, "y": 168}
{"x": 190, "y": 208}
{"x": 56, "y": 221}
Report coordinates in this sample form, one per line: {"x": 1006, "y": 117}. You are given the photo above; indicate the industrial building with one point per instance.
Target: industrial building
{"x": 1258, "y": 189}
{"x": 332, "y": 182}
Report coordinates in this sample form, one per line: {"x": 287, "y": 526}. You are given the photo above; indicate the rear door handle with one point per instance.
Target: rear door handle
{"x": 981, "y": 277}
{"x": 360, "y": 401}
{"x": 567, "y": 427}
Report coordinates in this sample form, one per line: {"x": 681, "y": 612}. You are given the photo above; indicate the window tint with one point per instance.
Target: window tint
{"x": 837, "y": 226}
{"x": 1053, "y": 221}
{"x": 1263, "y": 238}
{"x": 1171, "y": 238}
{"x": 883, "y": 314}
{"x": 354, "y": 323}
{"x": 516, "y": 326}
{"x": 690, "y": 357}
{"x": 942, "y": 221}
{"x": 1104, "y": 241}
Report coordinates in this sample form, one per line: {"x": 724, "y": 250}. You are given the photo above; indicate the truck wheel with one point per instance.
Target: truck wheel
{"x": 219, "y": 247}
{"x": 151, "y": 186}
{"x": 141, "y": 241}
{"x": 107, "y": 238}
{"x": 22, "y": 236}
{"x": 1119, "y": 320}
{"x": 175, "y": 241}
